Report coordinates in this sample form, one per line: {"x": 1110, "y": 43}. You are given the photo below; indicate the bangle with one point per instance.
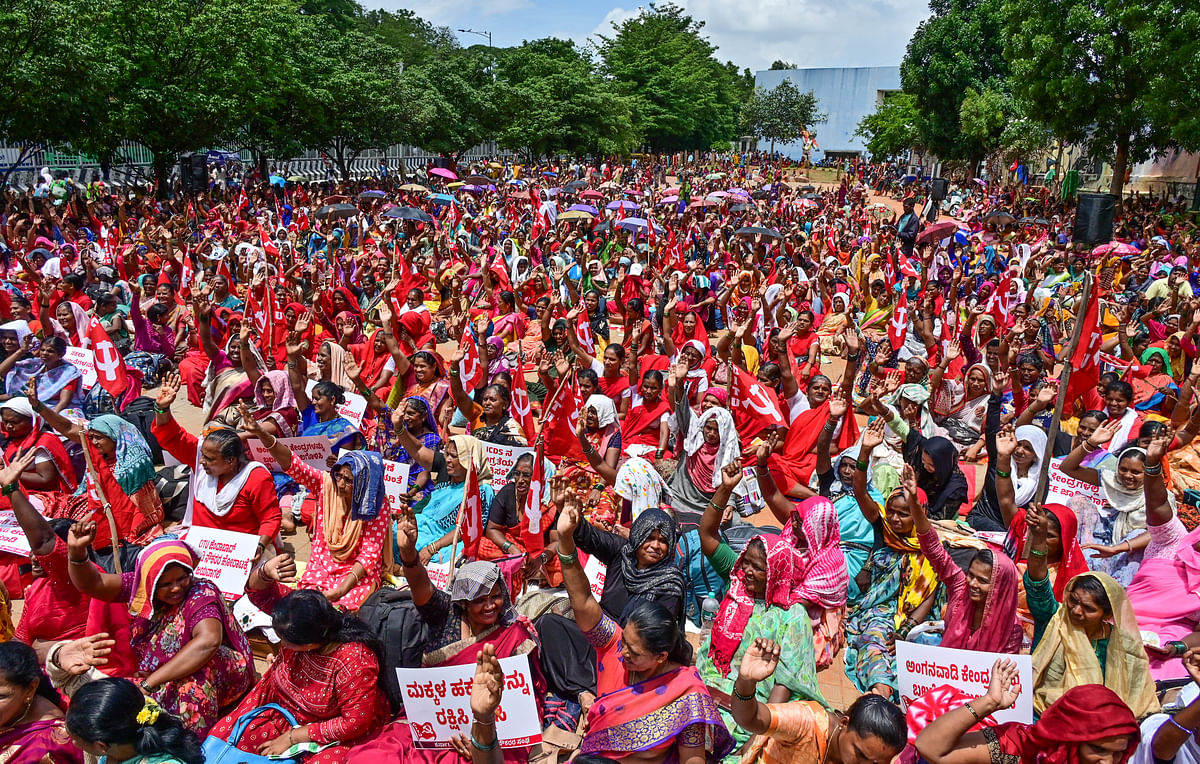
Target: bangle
{"x": 1178, "y": 648}
{"x": 9, "y": 489}
{"x": 273, "y": 442}
{"x": 860, "y": 465}
{"x": 482, "y": 747}
{"x": 1037, "y": 553}
{"x": 830, "y": 426}
{"x": 1153, "y": 470}
{"x": 489, "y": 722}
{"x": 1088, "y": 447}
{"x": 715, "y": 506}
{"x": 1129, "y": 545}
{"x": 1002, "y": 473}
{"x": 741, "y": 697}
{"x": 974, "y": 713}
{"x": 568, "y": 559}
{"x": 854, "y": 358}
{"x": 506, "y": 546}
{"x": 291, "y": 742}
{"x": 454, "y": 373}
{"x": 1180, "y": 727}
{"x": 37, "y": 405}
{"x": 73, "y": 561}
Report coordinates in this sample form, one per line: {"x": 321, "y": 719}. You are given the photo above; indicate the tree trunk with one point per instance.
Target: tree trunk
{"x": 1120, "y": 164}
{"x": 260, "y": 159}
{"x": 162, "y": 174}
{"x": 25, "y": 151}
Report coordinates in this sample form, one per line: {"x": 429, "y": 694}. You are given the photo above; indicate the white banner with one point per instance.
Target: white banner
{"x": 12, "y": 539}
{"x": 437, "y": 702}
{"x": 84, "y": 360}
{"x": 921, "y": 668}
{"x": 353, "y": 409}
{"x": 395, "y": 482}
{"x": 501, "y": 459}
{"x": 313, "y": 450}
{"x": 225, "y": 557}
{"x": 1063, "y": 488}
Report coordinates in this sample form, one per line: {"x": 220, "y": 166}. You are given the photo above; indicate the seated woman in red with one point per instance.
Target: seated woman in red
{"x": 228, "y": 490}
{"x": 651, "y": 703}
{"x": 326, "y": 673}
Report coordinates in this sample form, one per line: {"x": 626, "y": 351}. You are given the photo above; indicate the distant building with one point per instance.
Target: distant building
{"x": 846, "y": 95}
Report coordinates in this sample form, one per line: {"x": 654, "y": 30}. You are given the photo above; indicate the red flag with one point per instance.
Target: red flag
{"x": 998, "y": 303}
{"x": 583, "y": 333}
{"x": 521, "y": 406}
{"x": 651, "y": 237}
{"x": 472, "y": 370}
{"x": 470, "y": 515}
{"x": 898, "y": 324}
{"x": 110, "y": 366}
{"x": 243, "y": 201}
{"x": 907, "y": 269}
{"x": 188, "y": 275}
{"x": 559, "y": 418}
{"x": 532, "y": 529}
{"x": 267, "y": 245}
{"x": 754, "y": 407}
{"x": 258, "y": 314}
{"x": 1085, "y": 363}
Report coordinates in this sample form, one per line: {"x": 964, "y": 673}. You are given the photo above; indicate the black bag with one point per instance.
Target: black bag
{"x": 394, "y": 618}
{"x": 140, "y": 413}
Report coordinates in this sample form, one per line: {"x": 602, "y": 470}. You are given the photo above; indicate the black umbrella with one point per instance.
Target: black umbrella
{"x": 576, "y": 185}
{"x": 999, "y": 217}
{"x": 479, "y": 180}
{"x": 760, "y": 194}
{"x": 604, "y": 227}
{"x": 372, "y": 194}
{"x": 332, "y": 211}
{"x": 408, "y": 213}
{"x": 810, "y": 196}
{"x": 757, "y": 231}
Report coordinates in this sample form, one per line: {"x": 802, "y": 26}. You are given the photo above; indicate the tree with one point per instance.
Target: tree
{"x": 1096, "y": 68}
{"x": 778, "y": 65}
{"x": 891, "y": 129}
{"x": 681, "y": 96}
{"x": 781, "y": 114}
{"x": 414, "y": 39}
{"x": 959, "y": 47}
{"x": 463, "y": 95}
{"x": 552, "y": 101}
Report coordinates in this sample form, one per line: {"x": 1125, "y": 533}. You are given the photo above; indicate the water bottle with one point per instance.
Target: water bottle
{"x": 708, "y": 614}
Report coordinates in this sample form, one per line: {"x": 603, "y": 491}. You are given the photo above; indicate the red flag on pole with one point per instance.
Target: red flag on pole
{"x": 521, "y": 405}
{"x": 532, "y": 529}
{"x": 583, "y": 333}
{"x": 1085, "y": 363}
{"x": 898, "y": 324}
{"x": 474, "y": 374}
{"x": 470, "y": 515}
{"x": 559, "y": 417}
{"x": 754, "y": 406}
{"x": 110, "y": 366}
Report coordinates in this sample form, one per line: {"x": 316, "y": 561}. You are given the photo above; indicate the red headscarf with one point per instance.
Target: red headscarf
{"x": 370, "y": 362}
{"x": 999, "y": 613}
{"x": 820, "y": 568}
{"x": 1073, "y": 562}
{"x": 738, "y": 605}
{"x": 1083, "y": 714}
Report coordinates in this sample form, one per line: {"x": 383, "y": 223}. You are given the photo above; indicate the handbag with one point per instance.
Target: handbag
{"x": 218, "y": 751}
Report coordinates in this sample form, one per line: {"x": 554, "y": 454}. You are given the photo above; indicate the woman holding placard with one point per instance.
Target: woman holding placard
{"x": 475, "y": 613}
{"x": 350, "y": 524}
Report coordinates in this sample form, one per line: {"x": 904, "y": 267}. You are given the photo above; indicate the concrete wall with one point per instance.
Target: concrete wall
{"x": 846, "y": 95}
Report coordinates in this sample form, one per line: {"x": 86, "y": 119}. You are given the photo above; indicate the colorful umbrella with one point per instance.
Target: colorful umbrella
{"x": 442, "y": 172}
{"x": 621, "y": 204}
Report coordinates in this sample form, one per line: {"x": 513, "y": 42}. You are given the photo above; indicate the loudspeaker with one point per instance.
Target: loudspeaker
{"x": 938, "y": 189}
{"x": 193, "y": 173}
{"x": 1094, "y": 218}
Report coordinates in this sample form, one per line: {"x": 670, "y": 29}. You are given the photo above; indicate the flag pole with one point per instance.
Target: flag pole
{"x": 1063, "y": 384}
{"x": 108, "y": 513}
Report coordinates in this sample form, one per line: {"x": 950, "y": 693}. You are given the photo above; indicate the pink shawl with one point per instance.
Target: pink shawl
{"x": 819, "y": 574}
{"x": 995, "y": 631}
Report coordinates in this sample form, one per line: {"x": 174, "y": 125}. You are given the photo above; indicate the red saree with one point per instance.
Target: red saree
{"x": 641, "y": 424}
{"x": 796, "y": 462}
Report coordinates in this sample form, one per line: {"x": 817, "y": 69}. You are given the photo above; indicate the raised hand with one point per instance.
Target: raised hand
{"x": 838, "y": 405}
{"x": 1155, "y": 451}
{"x": 873, "y": 435}
{"x": 12, "y": 471}
{"x": 731, "y": 474}
{"x": 1047, "y": 394}
{"x": 77, "y": 656}
{"x": 1001, "y": 691}
{"x": 760, "y": 660}
{"x": 892, "y": 383}
{"x": 1104, "y": 433}
{"x": 81, "y": 535}
{"x": 763, "y": 453}
{"x": 568, "y": 518}
{"x": 999, "y": 382}
{"x": 954, "y": 351}
{"x": 908, "y": 480}
{"x": 488, "y": 686}
{"x": 1006, "y": 441}
{"x": 169, "y": 390}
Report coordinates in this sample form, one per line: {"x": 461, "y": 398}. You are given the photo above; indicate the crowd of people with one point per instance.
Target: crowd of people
{"x": 797, "y": 420}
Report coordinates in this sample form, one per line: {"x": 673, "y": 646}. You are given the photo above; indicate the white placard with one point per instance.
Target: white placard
{"x": 921, "y": 668}
{"x": 437, "y": 702}
{"x": 501, "y": 459}
{"x": 84, "y": 360}
{"x": 353, "y": 409}
{"x": 12, "y": 539}
{"x": 596, "y": 573}
{"x": 1064, "y": 488}
{"x": 395, "y": 482}
{"x": 225, "y": 557}
{"x": 439, "y": 574}
{"x": 313, "y": 450}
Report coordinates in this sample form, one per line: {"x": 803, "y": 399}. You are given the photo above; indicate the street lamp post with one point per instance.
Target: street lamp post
{"x": 485, "y": 33}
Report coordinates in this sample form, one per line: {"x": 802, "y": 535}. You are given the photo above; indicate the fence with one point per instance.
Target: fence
{"x": 133, "y": 163}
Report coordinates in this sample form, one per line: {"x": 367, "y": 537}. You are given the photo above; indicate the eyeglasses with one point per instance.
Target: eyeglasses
{"x": 341, "y": 477}
{"x": 525, "y": 475}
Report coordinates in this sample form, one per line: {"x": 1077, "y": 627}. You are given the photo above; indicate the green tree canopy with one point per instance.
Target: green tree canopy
{"x": 891, "y": 129}
{"x": 781, "y": 113}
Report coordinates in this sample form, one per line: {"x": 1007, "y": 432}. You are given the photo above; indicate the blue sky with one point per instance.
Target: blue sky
{"x": 751, "y": 33}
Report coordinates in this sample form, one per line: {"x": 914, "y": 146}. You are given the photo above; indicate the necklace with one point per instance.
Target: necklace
{"x": 16, "y": 722}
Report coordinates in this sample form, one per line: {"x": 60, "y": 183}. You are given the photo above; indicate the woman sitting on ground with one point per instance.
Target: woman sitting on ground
{"x": 112, "y": 719}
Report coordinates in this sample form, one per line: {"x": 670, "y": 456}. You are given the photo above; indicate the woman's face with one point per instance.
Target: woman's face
{"x": 213, "y": 462}
{"x": 712, "y": 433}
{"x": 691, "y": 355}
{"x": 1024, "y": 454}
{"x": 754, "y": 570}
{"x": 414, "y": 418}
{"x": 164, "y": 296}
{"x": 484, "y": 611}
{"x": 804, "y": 322}
{"x": 591, "y": 301}
{"x": 652, "y": 551}
{"x": 348, "y": 328}
{"x": 689, "y": 323}
{"x": 1029, "y": 373}
{"x": 266, "y": 392}
{"x": 324, "y": 362}
{"x": 343, "y": 481}
{"x": 845, "y": 473}
{"x": 1131, "y": 472}
{"x": 977, "y": 384}
{"x": 636, "y": 656}
{"x": 612, "y": 363}
{"x": 456, "y": 469}
{"x": 1116, "y": 403}
{"x": 927, "y": 463}
{"x": 819, "y": 391}
{"x": 1106, "y": 750}
{"x": 523, "y": 476}
{"x": 1054, "y": 546}
{"x": 15, "y": 426}
{"x": 339, "y": 302}
{"x": 9, "y": 342}
{"x": 423, "y": 370}
{"x": 898, "y": 516}
{"x": 1084, "y": 611}
{"x": 651, "y": 390}
{"x": 493, "y": 405}
{"x": 65, "y": 317}
{"x": 104, "y": 444}
{"x": 15, "y": 701}
{"x": 979, "y": 581}
{"x": 1155, "y": 363}
{"x": 173, "y": 585}
{"x": 914, "y": 371}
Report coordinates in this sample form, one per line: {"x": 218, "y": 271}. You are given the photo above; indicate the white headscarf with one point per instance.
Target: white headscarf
{"x": 1024, "y": 488}
{"x": 730, "y": 447}
{"x": 606, "y": 411}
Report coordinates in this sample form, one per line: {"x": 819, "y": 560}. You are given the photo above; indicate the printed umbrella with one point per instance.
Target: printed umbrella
{"x": 937, "y": 232}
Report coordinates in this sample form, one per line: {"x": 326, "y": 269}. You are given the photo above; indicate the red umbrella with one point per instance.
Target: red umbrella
{"x": 590, "y": 194}
{"x": 937, "y": 232}
{"x": 442, "y": 172}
